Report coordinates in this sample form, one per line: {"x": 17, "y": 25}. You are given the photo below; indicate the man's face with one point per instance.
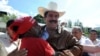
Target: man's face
{"x": 51, "y": 19}
{"x": 10, "y": 32}
{"x": 93, "y": 35}
{"x": 76, "y": 33}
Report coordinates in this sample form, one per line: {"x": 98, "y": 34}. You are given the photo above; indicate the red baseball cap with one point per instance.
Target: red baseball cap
{"x": 23, "y": 24}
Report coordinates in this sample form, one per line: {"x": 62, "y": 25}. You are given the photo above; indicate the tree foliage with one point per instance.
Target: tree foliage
{"x": 5, "y": 18}
{"x": 78, "y": 23}
{"x": 69, "y": 24}
{"x": 39, "y": 18}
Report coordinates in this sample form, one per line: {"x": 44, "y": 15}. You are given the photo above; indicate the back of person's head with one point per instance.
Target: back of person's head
{"x": 35, "y": 31}
{"x": 9, "y": 22}
{"x": 24, "y": 26}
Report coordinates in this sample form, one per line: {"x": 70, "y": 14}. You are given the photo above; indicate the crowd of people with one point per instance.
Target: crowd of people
{"x": 89, "y": 43}
{"x": 25, "y": 37}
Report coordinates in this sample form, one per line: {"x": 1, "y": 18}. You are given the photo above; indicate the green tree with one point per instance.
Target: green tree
{"x": 81, "y": 25}
{"x": 5, "y": 18}
{"x": 39, "y": 18}
{"x": 87, "y": 30}
{"x": 98, "y": 33}
{"x": 77, "y": 23}
{"x": 69, "y": 24}
{"x": 2, "y": 13}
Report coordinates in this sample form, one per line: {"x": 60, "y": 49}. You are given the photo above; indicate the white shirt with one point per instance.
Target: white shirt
{"x": 90, "y": 43}
{"x": 82, "y": 40}
{"x": 2, "y": 50}
{"x": 6, "y": 41}
{"x": 97, "y": 42}
{"x": 85, "y": 41}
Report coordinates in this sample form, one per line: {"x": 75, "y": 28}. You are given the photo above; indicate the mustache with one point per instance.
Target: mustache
{"x": 53, "y": 21}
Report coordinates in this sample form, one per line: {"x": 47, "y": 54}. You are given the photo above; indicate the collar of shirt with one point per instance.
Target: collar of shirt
{"x": 45, "y": 34}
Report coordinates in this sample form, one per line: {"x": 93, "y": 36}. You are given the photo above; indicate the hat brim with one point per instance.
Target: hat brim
{"x": 42, "y": 10}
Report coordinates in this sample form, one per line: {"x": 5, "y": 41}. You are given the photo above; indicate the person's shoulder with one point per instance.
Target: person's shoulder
{"x": 67, "y": 34}
{"x": 84, "y": 37}
{"x": 87, "y": 39}
{"x": 2, "y": 34}
{"x": 88, "y": 42}
{"x": 98, "y": 42}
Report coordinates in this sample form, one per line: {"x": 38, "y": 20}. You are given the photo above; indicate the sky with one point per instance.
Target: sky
{"x": 86, "y": 11}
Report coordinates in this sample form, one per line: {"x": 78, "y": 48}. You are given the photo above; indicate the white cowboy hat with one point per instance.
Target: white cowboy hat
{"x": 52, "y": 6}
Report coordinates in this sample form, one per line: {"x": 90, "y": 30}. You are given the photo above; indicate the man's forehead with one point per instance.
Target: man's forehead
{"x": 75, "y": 29}
{"x": 92, "y": 32}
{"x": 53, "y": 12}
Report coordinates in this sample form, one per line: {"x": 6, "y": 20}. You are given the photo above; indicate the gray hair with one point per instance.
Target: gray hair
{"x": 78, "y": 28}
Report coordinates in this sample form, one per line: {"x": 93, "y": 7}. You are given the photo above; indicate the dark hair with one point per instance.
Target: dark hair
{"x": 33, "y": 32}
{"x": 15, "y": 28}
{"x": 9, "y": 22}
{"x": 45, "y": 14}
{"x": 78, "y": 28}
{"x": 93, "y": 31}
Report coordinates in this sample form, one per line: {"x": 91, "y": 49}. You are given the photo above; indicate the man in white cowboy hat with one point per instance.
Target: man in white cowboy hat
{"x": 62, "y": 41}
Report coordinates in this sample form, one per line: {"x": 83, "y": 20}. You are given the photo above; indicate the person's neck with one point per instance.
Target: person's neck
{"x": 50, "y": 29}
{"x": 78, "y": 38}
{"x": 93, "y": 40}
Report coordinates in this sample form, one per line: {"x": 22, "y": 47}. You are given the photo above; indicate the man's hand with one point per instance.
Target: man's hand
{"x": 17, "y": 52}
{"x": 66, "y": 53}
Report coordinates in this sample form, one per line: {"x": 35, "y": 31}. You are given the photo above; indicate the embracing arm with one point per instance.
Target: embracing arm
{"x": 17, "y": 52}
{"x": 73, "y": 46}
{"x": 76, "y": 49}
{"x": 2, "y": 50}
{"x": 92, "y": 49}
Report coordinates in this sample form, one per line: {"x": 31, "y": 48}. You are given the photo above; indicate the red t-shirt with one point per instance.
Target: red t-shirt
{"x": 36, "y": 47}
